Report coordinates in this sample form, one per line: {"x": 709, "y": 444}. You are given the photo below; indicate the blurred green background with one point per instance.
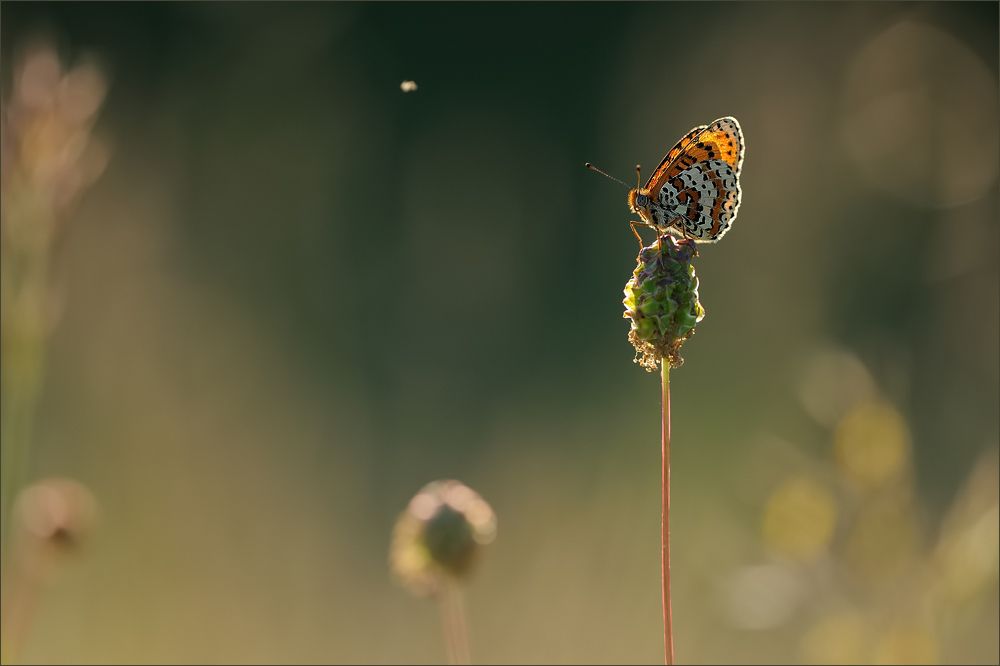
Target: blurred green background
{"x": 297, "y": 294}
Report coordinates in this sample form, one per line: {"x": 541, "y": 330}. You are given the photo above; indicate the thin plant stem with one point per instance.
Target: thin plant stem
{"x": 668, "y": 624}
{"x": 17, "y": 412}
{"x": 23, "y": 360}
{"x": 28, "y": 568}
{"x": 456, "y": 636}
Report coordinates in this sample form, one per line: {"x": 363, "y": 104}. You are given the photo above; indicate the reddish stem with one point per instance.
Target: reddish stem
{"x": 456, "y": 637}
{"x": 668, "y": 624}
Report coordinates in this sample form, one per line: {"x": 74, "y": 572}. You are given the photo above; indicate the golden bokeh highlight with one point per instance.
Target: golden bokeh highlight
{"x": 907, "y": 646}
{"x": 799, "y": 519}
{"x": 871, "y": 444}
{"x": 840, "y": 638}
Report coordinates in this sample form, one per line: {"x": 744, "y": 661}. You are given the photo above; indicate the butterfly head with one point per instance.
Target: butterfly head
{"x": 638, "y": 203}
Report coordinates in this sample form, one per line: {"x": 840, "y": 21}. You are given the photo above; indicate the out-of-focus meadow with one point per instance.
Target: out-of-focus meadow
{"x": 295, "y": 294}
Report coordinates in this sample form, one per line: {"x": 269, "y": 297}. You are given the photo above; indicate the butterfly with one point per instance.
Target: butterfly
{"x": 695, "y": 190}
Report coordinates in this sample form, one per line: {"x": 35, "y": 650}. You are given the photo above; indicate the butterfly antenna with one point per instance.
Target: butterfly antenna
{"x": 638, "y": 176}
{"x": 593, "y": 168}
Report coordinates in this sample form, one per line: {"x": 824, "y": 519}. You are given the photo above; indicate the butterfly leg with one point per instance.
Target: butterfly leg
{"x": 632, "y": 224}
{"x": 637, "y": 236}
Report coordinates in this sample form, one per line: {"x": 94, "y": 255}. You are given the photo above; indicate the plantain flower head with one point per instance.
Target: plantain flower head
{"x": 661, "y": 299}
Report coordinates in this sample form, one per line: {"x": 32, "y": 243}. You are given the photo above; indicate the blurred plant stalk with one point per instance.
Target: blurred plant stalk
{"x": 50, "y": 519}
{"x": 456, "y": 636}
{"x": 48, "y": 159}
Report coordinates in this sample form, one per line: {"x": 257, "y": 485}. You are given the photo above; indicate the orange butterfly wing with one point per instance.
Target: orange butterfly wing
{"x": 722, "y": 140}
{"x": 703, "y": 172}
{"x": 671, "y": 157}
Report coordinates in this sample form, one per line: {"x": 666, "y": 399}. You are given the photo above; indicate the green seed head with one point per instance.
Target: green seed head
{"x": 440, "y": 534}
{"x": 661, "y": 299}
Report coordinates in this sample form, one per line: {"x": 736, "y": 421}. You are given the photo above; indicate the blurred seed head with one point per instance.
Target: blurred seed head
{"x": 661, "y": 299}
{"x": 440, "y": 534}
{"x": 408, "y": 86}
{"x": 48, "y": 149}
{"x": 58, "y": 512}
{"x": 799, "y": 519}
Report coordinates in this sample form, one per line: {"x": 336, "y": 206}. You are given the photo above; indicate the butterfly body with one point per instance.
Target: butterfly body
{"x": 695, "y": 191}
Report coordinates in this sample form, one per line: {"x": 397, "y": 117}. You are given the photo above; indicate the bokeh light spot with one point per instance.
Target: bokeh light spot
{"x": 763, "y": 597}
{"x": 907, "y": 93}
{"x": 909, "y": 646}
{"x": 836, "y": 639}
{"x": 871, "y": 444}
{"x": 834, "y": 382}
{"x": 799, "y": 519}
